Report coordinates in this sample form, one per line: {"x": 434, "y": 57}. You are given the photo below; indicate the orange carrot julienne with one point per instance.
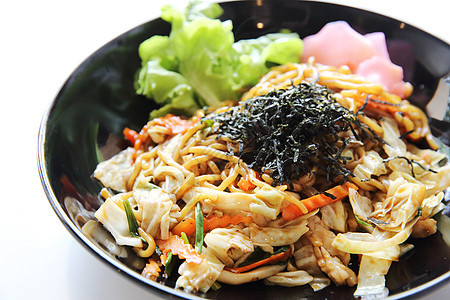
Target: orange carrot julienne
{"x": 270, "y": 260}
{"x": 291, "y": 212}
{"x": 130, "y": 135}
{"x": 178, "y": 247}
{"x": 334, "y": 194}
{"x": 245, "y": 184}
{"x": 376, "y": 105}
{"x": 174, "y": 123}
{"x": 137, "y": 139}
{"x": 188, "y": 226}
{"x": 214, "y": 221}
{"x": 151, "y": 269}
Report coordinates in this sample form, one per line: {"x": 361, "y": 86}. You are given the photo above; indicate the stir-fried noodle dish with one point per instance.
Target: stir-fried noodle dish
{"x": 313, "y": 165}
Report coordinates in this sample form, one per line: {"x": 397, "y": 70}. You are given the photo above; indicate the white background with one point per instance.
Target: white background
{"x": 41, "y": 43}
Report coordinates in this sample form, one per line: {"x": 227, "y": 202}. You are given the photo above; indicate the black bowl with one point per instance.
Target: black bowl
{"x": 84, "y": 126}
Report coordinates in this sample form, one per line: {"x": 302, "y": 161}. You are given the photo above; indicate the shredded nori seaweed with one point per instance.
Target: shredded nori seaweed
{"x": 411, "y": 162}
{"x": 288, "y": 131}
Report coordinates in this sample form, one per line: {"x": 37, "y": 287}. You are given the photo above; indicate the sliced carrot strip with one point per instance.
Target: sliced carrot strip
{"x": 334, "y": 194}
{"x": 188, "y": 226}
{"x": 184, "y": 251}
{"x": 214, "y": 221}
{"x": 376, "y": 105}
{"x": 291, "y": 212}
{"x": 151, "y": 269}
{"x": 270, "y": 260}
{"x": 174, "y": 123}
{"x": 245, "y": 184}
{"x": 130, "y": 135}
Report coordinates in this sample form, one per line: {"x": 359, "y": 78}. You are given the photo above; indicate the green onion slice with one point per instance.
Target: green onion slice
{"x": 132, "y": 223}
{"x": 361, "y": 222}
{"x": 169, "y": 263}
{"x": 184, "y": 238}
{"x": 419, "y": 211}
{"x": 198, "y": 228}
{"x": 208, "y": 122}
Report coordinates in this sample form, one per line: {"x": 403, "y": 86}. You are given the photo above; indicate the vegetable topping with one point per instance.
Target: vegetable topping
{"x": 259, "y": 190}
{"x": 200, "y": 64}
{"x": 177, "y": 246}
{"x": 282, "y": 254}
{"x": 334, "y": 194}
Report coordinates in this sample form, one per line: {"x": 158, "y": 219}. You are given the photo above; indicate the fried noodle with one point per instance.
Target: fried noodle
{"x": 396, "y": 189}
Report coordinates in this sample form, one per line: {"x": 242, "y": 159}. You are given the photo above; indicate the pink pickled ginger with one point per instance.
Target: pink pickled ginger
{"x": 381, "y": 70}
{"x": 337, "y": 44}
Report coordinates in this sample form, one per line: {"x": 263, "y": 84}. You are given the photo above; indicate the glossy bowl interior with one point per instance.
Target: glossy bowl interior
{"x": 84, "y": 126}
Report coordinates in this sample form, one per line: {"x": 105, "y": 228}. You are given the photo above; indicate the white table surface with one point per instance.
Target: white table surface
{"x": 41, "y": 43}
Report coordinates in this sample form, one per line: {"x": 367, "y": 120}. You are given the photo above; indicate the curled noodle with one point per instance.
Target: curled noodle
{"x": 174, "y": 172}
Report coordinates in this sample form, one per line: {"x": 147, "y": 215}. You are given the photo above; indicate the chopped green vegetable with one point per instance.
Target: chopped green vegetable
{"x": 158, "y": 251}
{"x": 286, "y": 132}
{"x": 260, "y": 254}
{"x": 142, "y": 183}
{"x": 419, "y": 211}
{"x": 166, "y": 88}
{"x": 170, "y": 263}
{"x": 215, "y": 286}
{"x": 184, "y": 238}
{"x": 199, "y": 227}
{"x": 208, "y": 123}
{"x": 256, "y": 56}
{"x": 132, "y": 223}
{"x": 202, "y": 8}
{"x": 200, "y": 64}
{"x": 361, "y": 222}
{"x": 375, "y": 221}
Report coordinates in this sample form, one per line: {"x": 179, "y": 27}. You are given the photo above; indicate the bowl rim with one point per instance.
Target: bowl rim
{"x": 83, "y": 239}
{"x": 133, "y": 276}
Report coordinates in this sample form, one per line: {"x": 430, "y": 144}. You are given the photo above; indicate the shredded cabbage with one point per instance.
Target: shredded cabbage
{"x": 293, "y": 278}
{"x": 115, "y": 171}
{"x": 200, "y": 277}
{"x": 228, "y": 244}
{"x": 277, "y": 236}
{"x": 115, "y": 220}
{"x": 371, "y": 280}
{"x": 366, "y": 243}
